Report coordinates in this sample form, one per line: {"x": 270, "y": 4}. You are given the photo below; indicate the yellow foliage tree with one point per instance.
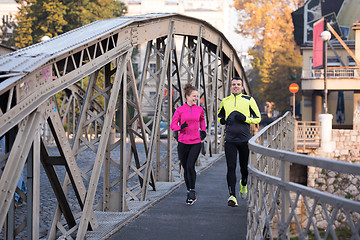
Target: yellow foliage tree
{"x": 37, "y": 18}
{"x": 269, "y": 23}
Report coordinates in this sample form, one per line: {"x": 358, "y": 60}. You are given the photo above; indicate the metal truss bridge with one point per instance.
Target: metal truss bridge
{"x": 65, "y": 93}
{"x": 77, "y": 93}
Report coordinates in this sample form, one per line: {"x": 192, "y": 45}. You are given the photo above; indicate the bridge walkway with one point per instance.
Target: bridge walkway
{"x": 209, "y": 217}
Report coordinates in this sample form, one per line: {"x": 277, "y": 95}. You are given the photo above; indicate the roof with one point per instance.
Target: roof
{"x": 341, "y": 14}
{"x": 44, "y": 51}
{"x": 7, "y": 47}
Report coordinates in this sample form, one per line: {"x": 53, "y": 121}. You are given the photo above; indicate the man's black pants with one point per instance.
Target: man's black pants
{"x": 231, "y": 150}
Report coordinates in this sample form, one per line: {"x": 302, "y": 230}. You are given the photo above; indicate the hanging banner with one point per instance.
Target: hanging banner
{"x": 318, "y": 44}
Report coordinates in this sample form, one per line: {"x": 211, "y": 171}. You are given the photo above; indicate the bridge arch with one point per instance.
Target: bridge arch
{"x": 65, "y": 91}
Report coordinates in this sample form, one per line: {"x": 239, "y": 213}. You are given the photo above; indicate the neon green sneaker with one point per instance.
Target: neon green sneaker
{"x": 232, "y": 202}
{"x": 243, "y": 191}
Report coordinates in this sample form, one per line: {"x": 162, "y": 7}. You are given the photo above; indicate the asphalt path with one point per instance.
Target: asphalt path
{"x": 209, "y": 218}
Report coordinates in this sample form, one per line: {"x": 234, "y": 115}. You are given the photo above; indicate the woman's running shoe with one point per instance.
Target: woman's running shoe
{"x": 191, "y": 197}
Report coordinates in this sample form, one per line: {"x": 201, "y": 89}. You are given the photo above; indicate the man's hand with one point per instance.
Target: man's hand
{"x": 184, "y": 125}
{"x": 222, "y": 121}
{"x": 240, "y": 117}
{"x": 202, "y": 135}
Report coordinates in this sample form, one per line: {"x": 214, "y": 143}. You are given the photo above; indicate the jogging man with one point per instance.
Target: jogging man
{"x": 237, "y": 112}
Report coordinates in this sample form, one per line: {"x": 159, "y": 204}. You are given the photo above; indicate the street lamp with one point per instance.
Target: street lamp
{"x": 325, "y": 36}
{"x": 45, "y": 38}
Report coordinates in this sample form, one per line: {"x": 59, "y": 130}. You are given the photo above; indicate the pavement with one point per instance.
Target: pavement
{"x": 166, "y": 216}
{"x": 209, "y": 214}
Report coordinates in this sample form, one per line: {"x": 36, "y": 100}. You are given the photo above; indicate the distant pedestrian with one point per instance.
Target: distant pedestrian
{"x": 187, "y": 119}
{"x": 21, "y": 183}
{"x": 237, "y": 112}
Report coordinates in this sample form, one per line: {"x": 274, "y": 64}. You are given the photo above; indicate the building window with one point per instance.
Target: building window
{"x": 351, "y": 62}
{"x": 171, "y": 2}
{"x": 134, "y": 2}
{"x": 333, "y": 62}
{"x": 153, "y": 67}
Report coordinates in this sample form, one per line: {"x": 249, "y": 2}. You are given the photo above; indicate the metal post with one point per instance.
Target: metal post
{"x": 325, "y": 36}
{"x": 294, "y": 105}
{"x": 325, "y": 76}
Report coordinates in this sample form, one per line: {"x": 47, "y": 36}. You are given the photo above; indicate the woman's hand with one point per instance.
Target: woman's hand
{"x": 202, "y": 135}
{"x": 184, "y": 125}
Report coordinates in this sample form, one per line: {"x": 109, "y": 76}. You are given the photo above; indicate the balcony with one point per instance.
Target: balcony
{"x": 332, "y": 72}
{"x": 338, "y": 78}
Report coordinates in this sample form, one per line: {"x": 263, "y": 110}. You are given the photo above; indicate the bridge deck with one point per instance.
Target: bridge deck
{"x": 208, "y": 218}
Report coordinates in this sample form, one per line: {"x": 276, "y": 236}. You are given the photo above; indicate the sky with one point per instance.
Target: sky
{"x": 241, "y": 43}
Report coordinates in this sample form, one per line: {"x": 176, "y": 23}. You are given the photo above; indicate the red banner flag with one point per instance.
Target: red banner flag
{"x": 318, "y": 46}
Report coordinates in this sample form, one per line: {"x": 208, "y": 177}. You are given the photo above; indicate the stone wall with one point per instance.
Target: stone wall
{"x": 347, "y": 144}
{"x": 339, "y": 184}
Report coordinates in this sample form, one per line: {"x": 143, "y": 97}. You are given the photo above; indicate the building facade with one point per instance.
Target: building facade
{"x": 8, "y": 10}
{"x": 342, "y": 75}
{"x": 215, "y": 12}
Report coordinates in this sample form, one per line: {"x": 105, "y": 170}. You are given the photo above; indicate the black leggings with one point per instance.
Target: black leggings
{"x": 231, "y": 150}
{"x": 188, "y": 154}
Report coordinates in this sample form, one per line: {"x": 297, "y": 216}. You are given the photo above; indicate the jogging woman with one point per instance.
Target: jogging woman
{"x": 187, "y": 120}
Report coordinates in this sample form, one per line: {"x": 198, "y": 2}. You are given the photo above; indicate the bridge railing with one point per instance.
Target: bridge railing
{"x": 307, "y": 136}
{"x": 278, "y": 208}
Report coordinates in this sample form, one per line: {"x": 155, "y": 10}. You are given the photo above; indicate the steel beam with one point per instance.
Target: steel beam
{"x": 89, "y": 200}
{"x": 16, "y": 161}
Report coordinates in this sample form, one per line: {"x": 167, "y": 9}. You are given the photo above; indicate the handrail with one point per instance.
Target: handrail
{"x": 274, "y": 201}
{"x": 307, "y": 135}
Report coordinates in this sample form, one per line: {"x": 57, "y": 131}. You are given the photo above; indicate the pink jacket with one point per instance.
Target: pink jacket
{"x": 194, "y": 117}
